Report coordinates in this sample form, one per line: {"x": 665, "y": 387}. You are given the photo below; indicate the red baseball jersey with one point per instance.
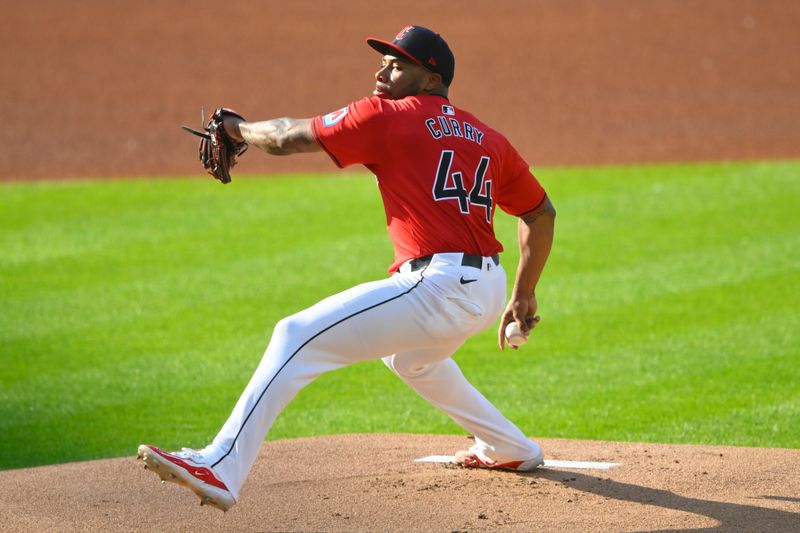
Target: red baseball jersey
{"x": 440, "y": 170}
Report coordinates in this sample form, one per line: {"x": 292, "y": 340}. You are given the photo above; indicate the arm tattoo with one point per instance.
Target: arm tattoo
{"x": 547, "y": 208}
{"x": 530, "y": 218}
{"x": 282, "y": 136}
{"x": 277, "y": 132}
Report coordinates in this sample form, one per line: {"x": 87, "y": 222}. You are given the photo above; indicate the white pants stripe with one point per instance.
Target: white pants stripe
{"x": 414, "y": 321}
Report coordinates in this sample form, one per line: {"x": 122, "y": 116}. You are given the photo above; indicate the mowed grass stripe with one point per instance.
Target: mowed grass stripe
{"x": 136, "y": 310}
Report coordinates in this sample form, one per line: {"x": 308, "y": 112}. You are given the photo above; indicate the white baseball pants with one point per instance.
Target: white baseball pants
{"x": 413, "y": 320}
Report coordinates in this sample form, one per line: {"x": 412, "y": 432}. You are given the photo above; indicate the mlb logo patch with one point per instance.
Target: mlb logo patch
{"x": 332, "y": 118}
{"x": 449, "y": 110}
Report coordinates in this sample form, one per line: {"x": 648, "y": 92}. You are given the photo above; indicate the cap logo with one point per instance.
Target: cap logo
{"x": 432, "y": 61}
{"x": 403, "y": 32}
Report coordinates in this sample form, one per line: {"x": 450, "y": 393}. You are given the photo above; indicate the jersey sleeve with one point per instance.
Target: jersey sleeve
{"x": 520, "y": 193}
{"x": 353, "y": 134}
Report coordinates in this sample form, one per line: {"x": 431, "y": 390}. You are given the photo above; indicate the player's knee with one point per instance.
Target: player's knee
{"x": 286, "y": 329}
{"x": 408, "y": 369}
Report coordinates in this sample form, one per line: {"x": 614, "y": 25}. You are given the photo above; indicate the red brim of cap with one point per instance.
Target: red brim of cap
{"x": 390, "y": 49}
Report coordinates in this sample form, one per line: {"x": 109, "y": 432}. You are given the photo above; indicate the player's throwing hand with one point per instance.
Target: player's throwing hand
{"x": 521, "y": 310}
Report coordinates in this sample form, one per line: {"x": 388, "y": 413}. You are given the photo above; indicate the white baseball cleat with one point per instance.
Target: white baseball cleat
{"x": 468, "y": 459}
{"x": 188, "y": 468}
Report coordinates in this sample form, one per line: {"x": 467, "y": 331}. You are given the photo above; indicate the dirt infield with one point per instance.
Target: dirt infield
{"x": 361, "y": 483}
{"x": 98, "y": 88}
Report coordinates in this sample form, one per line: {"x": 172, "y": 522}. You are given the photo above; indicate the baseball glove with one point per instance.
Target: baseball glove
{"x": 218, "y": 151}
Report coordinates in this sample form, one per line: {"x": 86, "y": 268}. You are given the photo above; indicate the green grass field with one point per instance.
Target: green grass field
{"x": 135, "y": 311}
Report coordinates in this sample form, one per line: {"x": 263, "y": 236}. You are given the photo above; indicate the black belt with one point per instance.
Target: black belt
{"x": 469, "y": 260}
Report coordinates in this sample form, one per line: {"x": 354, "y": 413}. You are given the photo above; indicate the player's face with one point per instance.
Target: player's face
{"x": 397, "y": 79}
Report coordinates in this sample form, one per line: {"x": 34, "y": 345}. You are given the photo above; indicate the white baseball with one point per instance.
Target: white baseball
{"x": 514, "y": 335}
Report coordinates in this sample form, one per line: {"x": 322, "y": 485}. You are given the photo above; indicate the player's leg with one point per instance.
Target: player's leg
{"x": 404, "y": 313}
{"x": 411, "y": 311}
{"x": 331, "y": 334}
{"x": 437, "y": 378}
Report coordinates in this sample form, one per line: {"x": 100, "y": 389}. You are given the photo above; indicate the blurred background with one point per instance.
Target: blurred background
{"x": 98, "y": 88}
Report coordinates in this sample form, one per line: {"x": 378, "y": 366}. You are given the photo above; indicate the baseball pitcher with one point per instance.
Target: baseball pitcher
{"x": 442, "y": 173}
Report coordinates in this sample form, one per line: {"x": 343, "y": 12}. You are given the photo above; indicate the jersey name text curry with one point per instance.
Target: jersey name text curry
{"x": 451, "y": 127}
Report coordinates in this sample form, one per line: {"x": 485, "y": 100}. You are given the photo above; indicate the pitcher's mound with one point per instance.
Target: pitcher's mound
{"x": 371, "y": 483}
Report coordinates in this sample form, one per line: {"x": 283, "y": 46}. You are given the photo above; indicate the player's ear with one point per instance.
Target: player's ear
{"x": 434, "y": 81}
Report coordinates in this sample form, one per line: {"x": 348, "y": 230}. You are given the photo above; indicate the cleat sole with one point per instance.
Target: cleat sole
{"x": 158, "y": 466}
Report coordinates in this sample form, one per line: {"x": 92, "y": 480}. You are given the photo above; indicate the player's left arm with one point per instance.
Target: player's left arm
{"x": 535, "y": 235}
{"x": 280, "y": 136}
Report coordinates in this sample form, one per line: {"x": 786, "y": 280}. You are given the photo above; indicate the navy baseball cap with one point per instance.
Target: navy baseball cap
{"x": 421, "y": 46}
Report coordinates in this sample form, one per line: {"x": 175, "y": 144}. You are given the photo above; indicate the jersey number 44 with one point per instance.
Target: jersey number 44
{"x": 450, "y": 186}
